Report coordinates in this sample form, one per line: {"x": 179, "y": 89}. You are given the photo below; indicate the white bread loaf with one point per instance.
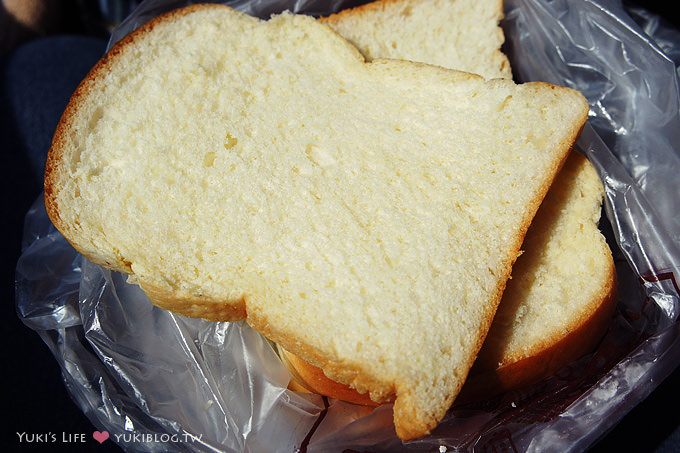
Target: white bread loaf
{"x": 364, "y": 216}
{"x": 456, "y": 34}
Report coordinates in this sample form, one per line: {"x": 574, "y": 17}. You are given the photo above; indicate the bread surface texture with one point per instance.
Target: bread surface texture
{"x": 456, "y": 34}
{"x": 544, "y": 321}
{"x": 365, "y": 216}
{"x": 562, "y": 293}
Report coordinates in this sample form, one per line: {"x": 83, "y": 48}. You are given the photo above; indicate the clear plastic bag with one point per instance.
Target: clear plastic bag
{"x": 160, "y": 382}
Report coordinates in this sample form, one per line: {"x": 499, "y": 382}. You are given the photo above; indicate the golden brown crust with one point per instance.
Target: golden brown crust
{"x": 556, "y": 353}
{"x": 377, "y": 6}
{"x": 586, "y": 332}
{"x": 372, "y": 7}
{"x": 195, "y": 306}
{"x": 407, "y": 420}
{"x": 313, "y": 380}
{"x": 353, "y": 375}
{"x": 496, "y": 370}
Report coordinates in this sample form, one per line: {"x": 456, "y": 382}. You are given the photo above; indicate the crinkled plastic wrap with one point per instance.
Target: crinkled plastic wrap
{"x": 160, "y": 382}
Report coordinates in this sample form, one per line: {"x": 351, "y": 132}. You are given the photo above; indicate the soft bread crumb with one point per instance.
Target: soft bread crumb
{"x": 563, "y": 276}
{"x": 456, "y": 34}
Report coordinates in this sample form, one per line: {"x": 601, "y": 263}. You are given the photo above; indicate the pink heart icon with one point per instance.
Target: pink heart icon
{"x": 100, "y": 436}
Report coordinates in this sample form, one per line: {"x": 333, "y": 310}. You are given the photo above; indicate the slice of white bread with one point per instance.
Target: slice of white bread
{"x": 365, "y": 216}
{"x": 555, "y": 308}
{"x": 562, "y": 294}
{"x": 457, "y": 34}
{"x": 531, "y": 347}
